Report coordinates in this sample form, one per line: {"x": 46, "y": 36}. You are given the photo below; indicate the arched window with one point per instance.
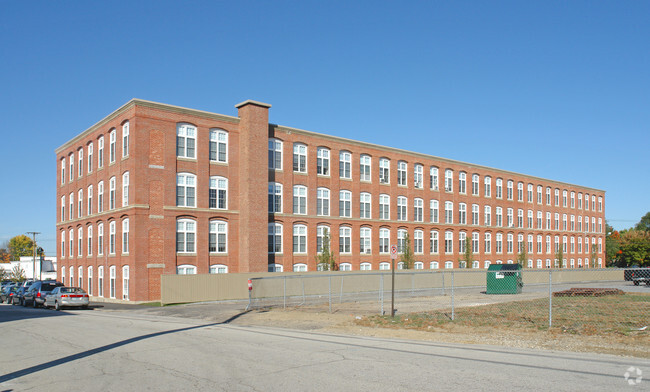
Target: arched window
{"x": 125, "y": 282}
{"x": 365, "y": 267}
{"x": 218, "y": 269}
{"x": 100, "y": 197}
{"x": 186, "y": 269}
{"x": 323, "y": 161}
{"x": 218, "y": 237}
{"x": 218, "y": 195}
{"x": 300, "y": 267}
{"x": 275, "y": 238}
{"x": 112, "y": 137}
{"x": 125, "y": 236}
{"x": 299, "y": 239}
{"x": 275, "y": 154}
{"x": 186, "y": 141}
{"x": 125, "y": 189}
{"x": 90, "y": 280}
{"x": 111, "y": 238}
{"x": 100, "y": 281}
{"x": 185, "y": 236}
{"x": 111, "y": 193}
{"x": 275, "y": 197}
{"x": 218, "y": 145}
{"x": 299, "y": 158}
{"x": 185, "y": 190}
{"x": 345, "y": 267}
{"x": 125, "y": 139}
{"x": 434, "y": 265}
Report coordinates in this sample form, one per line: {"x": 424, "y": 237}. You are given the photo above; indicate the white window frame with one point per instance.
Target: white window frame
{"x": 218, "y": 150}
{"x": 218, "y": 237}
{"x": 186, "y": 190}
{"x": 218, "y": 193}
{"x": 299, "y": 158}
{"x": 186, "y": 145}
{"x": 185, "y": 236}
{"x": 275, "y": 154}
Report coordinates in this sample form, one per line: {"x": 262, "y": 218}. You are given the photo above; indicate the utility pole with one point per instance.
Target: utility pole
{"x": 33, "y": 233}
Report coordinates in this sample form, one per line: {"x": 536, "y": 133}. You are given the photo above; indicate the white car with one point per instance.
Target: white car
{"x": 67, "y": 297}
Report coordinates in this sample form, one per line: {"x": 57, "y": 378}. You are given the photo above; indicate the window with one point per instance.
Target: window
{"x": 364, "y": 205}
{"x": 509, "y": 189}
{"x": 418, "y": 241}
{"x": 418, "y": 173}
{"x": 275, "y": 267}
{"x": 112, "y": 137}
{"x": 548, "y": 196}
{"x": 449, "y": 180}
{"x": 384, "y": 207}
{"x": 539, "y": 220}
{"x": 111, "y": 238}
{"x": 384, "y": 240}
{"x": 530, "y": 219}
{"x": 90, "y": 240}
{"x": 321, "y": 233}
{"x": 186, "y": 269}
{"x": 384, "y": 266}
{"x": 90, "y": 280}
{"x": 475, "y": 213}
{"x": 218, "y": 269}
{"x": 125, "y": 236}
{"x": 345, "y": 239}
{"x": 600, "y": 204}
{"x": 475, "y": 246}
{"x": 433, "y": 241}
{"x": 90, "y": 157}
{"x": 564, "y": 222}
{"x": 402, "y": 168}
{"x": 345, "y": 204}
{"x": 345, "y": 267}
{"x": 71, "y": 276}
{"x": 71, "y": 176}
{"x": 548, "y": 221}
{"x": 434, "y": 265}
{"x": 573, "y": 199}
{"x": 364, "y": 169}
{"x": 539, "y": 243}
{"x": 90, "y": 199}
{"x": 185, "y": 236}
{"x": 487, "y": 242}
{"x": 71, "y": 210}
{"x": 218, "y": 193}
{"x": 299, "y": 239}
{"x": 62, "y": 208}
{"x": 365, "y": 245}
{"x": 125, "y": 139}
{"x": 418, "y": 210}
{"x": 100, "y": 197}
{"x": 579, "y": 201}
{"x": 498, "y": 243}
{"x": 185, "y": 190}
{"x": 573, "y": 223}
{"x": 530, "y": 193}
{"x": 462, "y": 213}
{"x": 499, "y": 216}
{"x": 499, "y": 189}
{"x": 345, "y": 164}
{"x": 323, "y": 161}
{"x": 557, "y": 221}
{"x": 80, "y": 165}
{"x": 186, "y": 141}
{"x": 62, "y": 244}
{"x": 433, "y": 211}
{"x": 449, "y": 242}
{"x": 539, "y": 194}
{"x": 564, "y": 198}
{"x": 449, "y": 212}
{"x": 275, "y": 238}
{"x": 593, "y": 202}
{"x": 100, "y": 238}
{"x": 218, "y": 237}
{"x": 63, "y": 170}
{"x": 365, "y": 267}
{"x": 488, "y": 216}
{"x": 573, "y": 245}
{"x": 557, "y": 197}
{"x": 80, "y": 238}
{"x": 462, "y": 182}
{"x": 322, "y": 202}
{"x": 401, "y": 240}
{"x": 125, "y": 282}
{"x": 275, "y": 197}
{"x": 125, "y": 189}
{"x": 475, "y": 179}
{"x": 384, "y": 171}
{"x": 487, "y": 183}
{"x": 401, "y": 208}
{"x": 520, "y": 218}
{"x": 548, "y": 244}
{"x": 299, "y": 158}
{"x": 100, "y": 281}
{"x": 510, "y": 217}
{"x": 111, "y": 193}
{"x": 300, "y": 267}
{"x": 462, "y": 241}
{"x": 100, "y": 152}
{"x": 300, "y": 199}
{"x": 275, "y": 154}
{"x": 433, "y": 178}
{"x": 586, "y": 202}
{"x": 520, "y": 243}
{"x": 218, "y": 145}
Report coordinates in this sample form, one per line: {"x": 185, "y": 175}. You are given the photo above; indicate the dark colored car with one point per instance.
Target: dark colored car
{"x": 36, "y": 293}
{"x": 17, "y": 298}
{"x": 633, "y": 273}
{"x": 7, "y": 293}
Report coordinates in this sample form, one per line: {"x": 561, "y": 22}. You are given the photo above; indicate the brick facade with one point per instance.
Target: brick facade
{"x": 153, "y": 210}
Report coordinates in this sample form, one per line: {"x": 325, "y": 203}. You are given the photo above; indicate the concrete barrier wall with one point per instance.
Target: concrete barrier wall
{"x": 221, "y": 287}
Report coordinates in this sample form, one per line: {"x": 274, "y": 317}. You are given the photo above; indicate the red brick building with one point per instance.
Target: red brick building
{"x": 157, "y": 189}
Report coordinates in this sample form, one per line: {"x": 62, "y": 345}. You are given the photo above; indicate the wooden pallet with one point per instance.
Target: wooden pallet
{"x": 587, "y": 292}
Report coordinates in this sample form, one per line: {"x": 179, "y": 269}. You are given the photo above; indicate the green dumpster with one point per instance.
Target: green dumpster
{"x": 504, "y": 279}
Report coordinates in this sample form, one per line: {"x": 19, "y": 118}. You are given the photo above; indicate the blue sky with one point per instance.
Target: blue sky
{"x": 555, "y": 89}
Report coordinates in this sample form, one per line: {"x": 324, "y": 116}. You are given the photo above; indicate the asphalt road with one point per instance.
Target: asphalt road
{"x": 45, "y": 350}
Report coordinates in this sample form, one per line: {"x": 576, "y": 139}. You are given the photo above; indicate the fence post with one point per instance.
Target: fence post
{"x": 443, "y": 282}
{"x": 452, "y": 296}
{"x": 341, "y": 293}
{"x": 381, "y": 292}
{"x": 302, "y": 280}
{"x": 330, "y": 292}
{"x": 550, "y": 298}
{"x": 284, "y": 293}
{"x": 413, "y": 283}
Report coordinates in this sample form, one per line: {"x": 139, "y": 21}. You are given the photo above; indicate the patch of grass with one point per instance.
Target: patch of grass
{"x": 609, "y": 315}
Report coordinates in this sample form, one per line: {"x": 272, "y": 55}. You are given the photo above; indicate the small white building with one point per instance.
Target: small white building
{"x": 44, "y": 270}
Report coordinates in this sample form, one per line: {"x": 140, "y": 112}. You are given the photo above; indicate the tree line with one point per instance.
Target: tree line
{"x": 629, "y": 247}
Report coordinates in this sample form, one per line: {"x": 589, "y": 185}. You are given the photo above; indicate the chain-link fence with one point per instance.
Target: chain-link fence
{"x": 574, "y": 300}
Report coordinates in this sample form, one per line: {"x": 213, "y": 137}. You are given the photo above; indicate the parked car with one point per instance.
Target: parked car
{"x": 7, "y": 293}
{"x": 67, "y": 296}
{"x": 17, "y": 298}
{"x": 36, "y": 293}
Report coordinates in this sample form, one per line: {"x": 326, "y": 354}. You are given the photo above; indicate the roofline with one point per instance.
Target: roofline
{"x": 425, "y": 156}
{"x": 147, "y": 104}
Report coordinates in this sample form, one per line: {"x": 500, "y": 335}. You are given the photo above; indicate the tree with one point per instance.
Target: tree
{"x": 17, "y": 274}
{"x": 467, "y": 256}
{"x": 559, "y": 257}
{"x": 522, "y": 257}
{"x": 612, "y": 246}
{"x": 407, "y": 254}
{"x": 325, "y": 259}
{"x": 593, "y": 255}
{"x": 644, "y": 223}
{"x": 20, "y": 245}
{"x": 634, "y": 249}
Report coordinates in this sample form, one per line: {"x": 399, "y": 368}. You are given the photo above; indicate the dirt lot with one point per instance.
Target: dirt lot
{"x": 362, "y": 319}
